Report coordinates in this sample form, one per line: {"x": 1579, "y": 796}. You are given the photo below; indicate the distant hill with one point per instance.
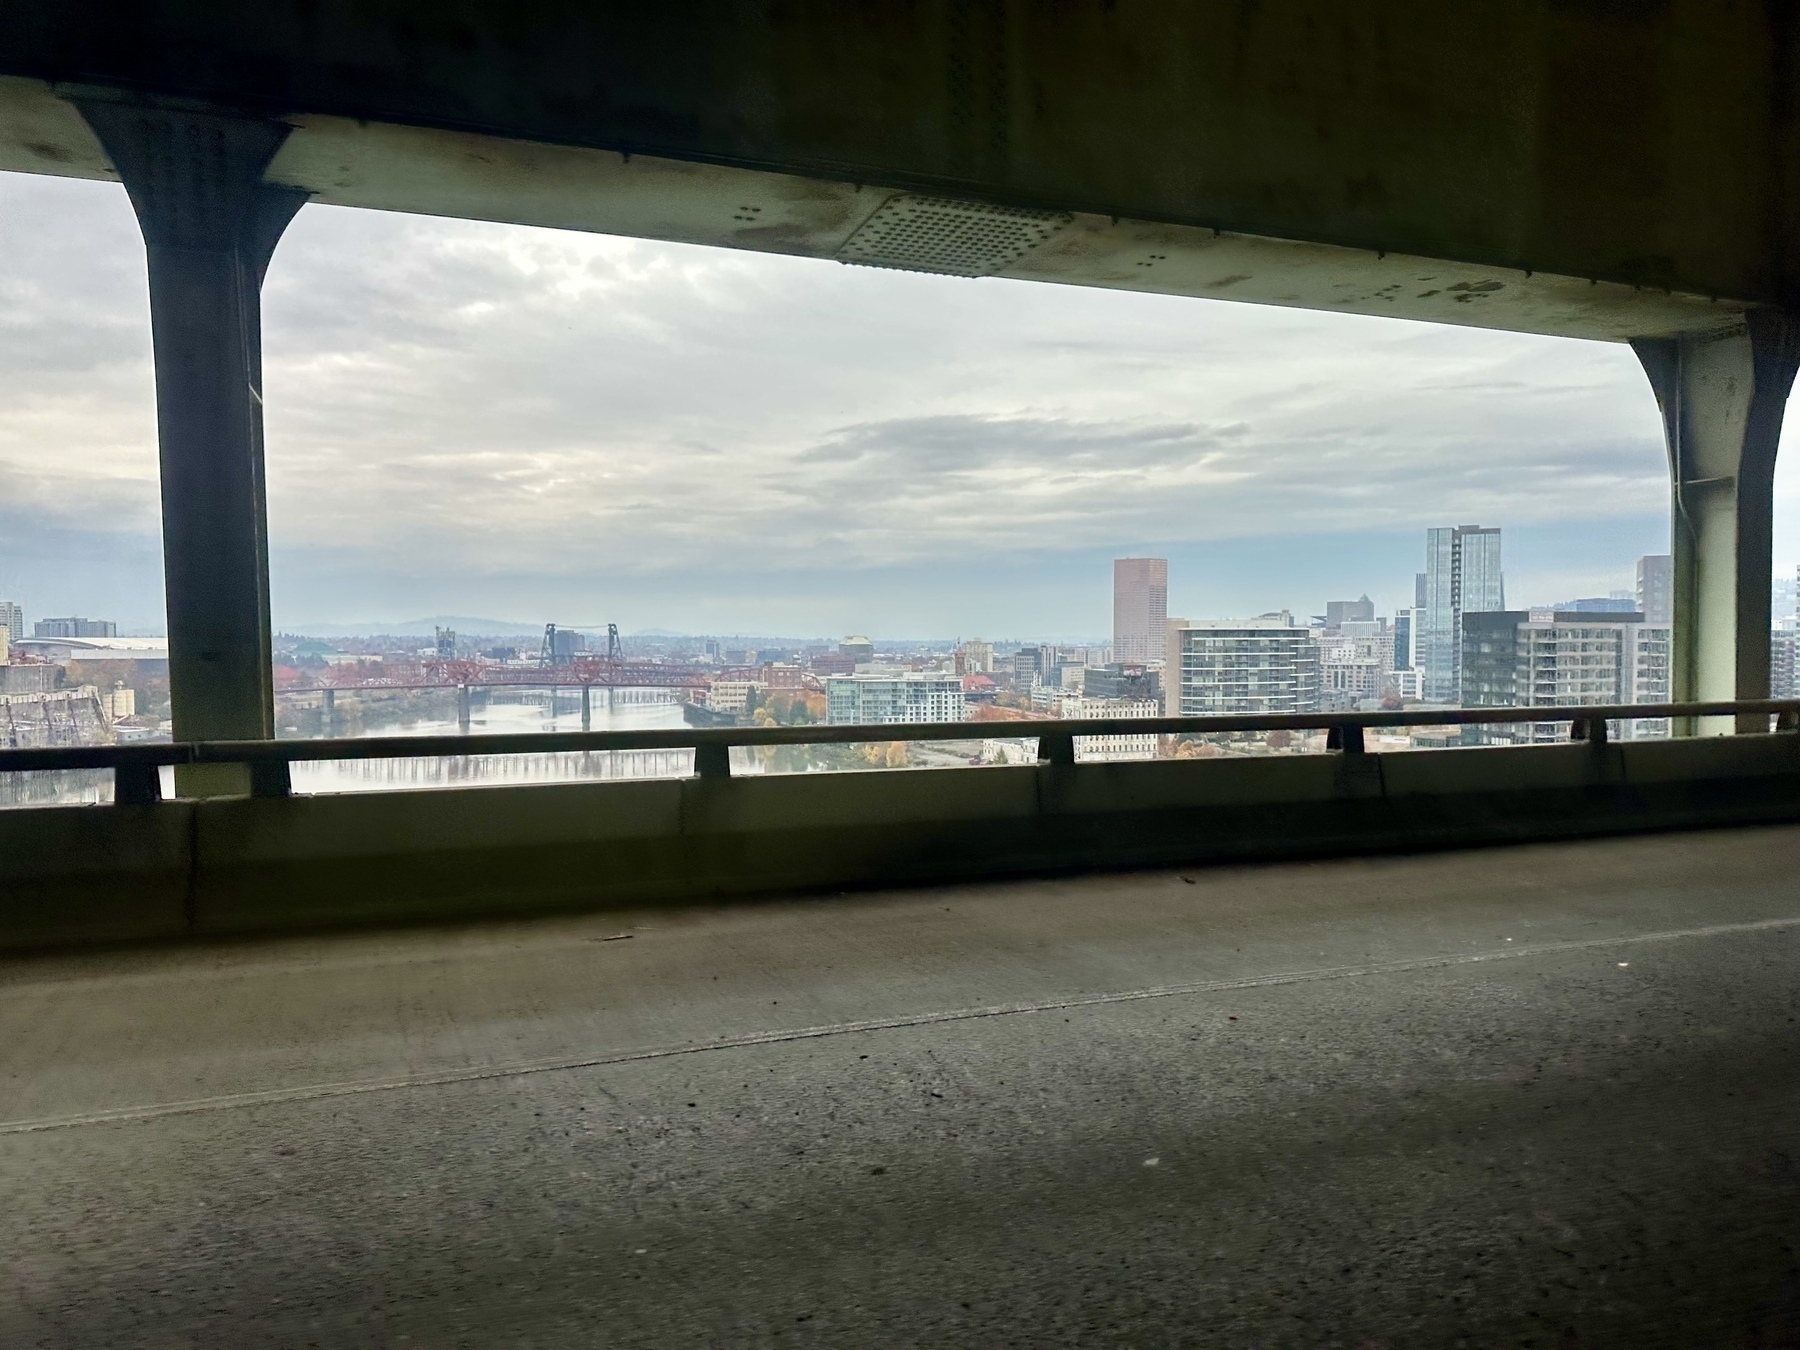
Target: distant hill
{"x": 462, "y": 623}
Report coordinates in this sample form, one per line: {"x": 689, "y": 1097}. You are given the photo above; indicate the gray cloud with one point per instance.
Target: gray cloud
{"x": 464, "y": 408}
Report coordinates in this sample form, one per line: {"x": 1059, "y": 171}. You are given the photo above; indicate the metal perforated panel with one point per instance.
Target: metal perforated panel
{"x": 958, "y": 239}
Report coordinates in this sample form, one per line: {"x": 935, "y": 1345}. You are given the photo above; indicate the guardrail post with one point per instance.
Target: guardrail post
{"x": 271, "y": 778}
{"x": 1348, "y": 739}
{"x": 137, "y": 784}
{"x": 1589, "y": 729}
{"x": 712, "y": 760}
{"x": 1056, "y": 747}
{"x": 210, "y": 225}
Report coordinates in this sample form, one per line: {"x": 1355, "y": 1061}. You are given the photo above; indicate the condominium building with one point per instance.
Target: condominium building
{"x": 1140, "y": 608}
{"x": 74, "y": 628}
{"x": 1550, "y": 658}
{"x": 1347, "y": 678}
{"x": 909, "y": 696}
{"x": 1031, "y": 665}
{"x": 12, "y": 619}
{"x": 1781, "y": 665}
{"x": 1656, "y": 589}
{"x": 1222, "y": 666}
{"x": 1462, "y": 576}
{"x": 1404, "y": 658}
{"x": 975, "y": 658}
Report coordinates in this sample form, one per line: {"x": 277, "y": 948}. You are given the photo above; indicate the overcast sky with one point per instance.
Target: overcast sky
{"x": 485, "y": 420}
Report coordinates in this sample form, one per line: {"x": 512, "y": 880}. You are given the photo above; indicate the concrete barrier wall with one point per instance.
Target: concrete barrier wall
{"x": 234, "y": 865}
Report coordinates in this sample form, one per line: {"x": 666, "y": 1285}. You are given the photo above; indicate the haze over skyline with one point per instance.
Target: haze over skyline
{"x": 478, "y": 419}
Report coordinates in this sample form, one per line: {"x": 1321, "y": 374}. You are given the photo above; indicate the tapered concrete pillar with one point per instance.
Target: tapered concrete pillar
{"x": 209, "y": 226}
{"x": 1722, "y": 399}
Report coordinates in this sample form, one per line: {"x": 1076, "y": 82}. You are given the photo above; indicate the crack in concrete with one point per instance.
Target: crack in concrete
{"x": 520, "y": 1068}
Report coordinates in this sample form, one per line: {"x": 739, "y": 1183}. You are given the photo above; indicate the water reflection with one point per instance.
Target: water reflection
{"x": 508, "y": 712}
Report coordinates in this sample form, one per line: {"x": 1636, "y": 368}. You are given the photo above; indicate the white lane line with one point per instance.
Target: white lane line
{"x": 519, "y": 1068}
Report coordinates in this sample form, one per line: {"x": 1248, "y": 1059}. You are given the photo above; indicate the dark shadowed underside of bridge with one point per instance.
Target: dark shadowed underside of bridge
{"x": 1538, "y": 1093}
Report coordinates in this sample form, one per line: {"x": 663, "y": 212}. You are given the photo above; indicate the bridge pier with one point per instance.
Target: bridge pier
{"x": 463, "y": 706}
{"x": 587, "y": 718}
{"x": 1722, "y": 399}
{"x": 328, "y": 713}
{"x": 210, "y": 226}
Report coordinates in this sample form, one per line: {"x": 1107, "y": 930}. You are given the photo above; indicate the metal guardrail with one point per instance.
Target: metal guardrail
{"x": 136, "y": 765}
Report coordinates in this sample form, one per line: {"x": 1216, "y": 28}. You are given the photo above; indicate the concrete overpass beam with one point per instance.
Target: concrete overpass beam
{"x": 210, "y": 226}
{"x": 1722, "y": 399}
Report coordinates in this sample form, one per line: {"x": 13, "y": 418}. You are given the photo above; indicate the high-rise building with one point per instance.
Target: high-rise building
{"x": 12, "y": 619}
{"x": 75, "y": 628}
{"x": 1340, "y": 612}
{"x": 1030, "y": 665}
{"x": 1600, "y": 604}
{"x": 1462, "y": 576}
{"x": 1260, "y": 665}
{"x": 975, "y": 658}
{"x": 1564, "y": 658}
{"x": 1781, "y": 665}
{"x": 1140, "y": 608}
{"x": 1656, "y": 589}
{"x": 910, "y": 696}
{"x": 858, "y": 649}
{"x": 1356, "y": 662}
{"x": 1403, "y": 639}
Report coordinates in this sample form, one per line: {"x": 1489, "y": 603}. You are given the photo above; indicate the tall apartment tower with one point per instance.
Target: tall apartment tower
{"x": 12, "y": 619}
{"x": 1140, "y": 608}
{"x": 1225, "y": 666}
{"x": 1656, "y": 589}
{"x": 1462, "y": 576}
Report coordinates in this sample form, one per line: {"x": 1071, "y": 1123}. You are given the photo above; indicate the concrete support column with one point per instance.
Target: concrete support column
{"x": 587, "y": 707}
{"x": 1722, "y": 399}
{"x": 209, "y": 226}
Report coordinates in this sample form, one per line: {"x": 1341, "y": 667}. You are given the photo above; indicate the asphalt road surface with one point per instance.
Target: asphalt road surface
{"x": 1546, "y": 1096}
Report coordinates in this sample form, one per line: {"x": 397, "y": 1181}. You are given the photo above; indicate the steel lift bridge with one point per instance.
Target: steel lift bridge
{"x": 1482, "y": 1046}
